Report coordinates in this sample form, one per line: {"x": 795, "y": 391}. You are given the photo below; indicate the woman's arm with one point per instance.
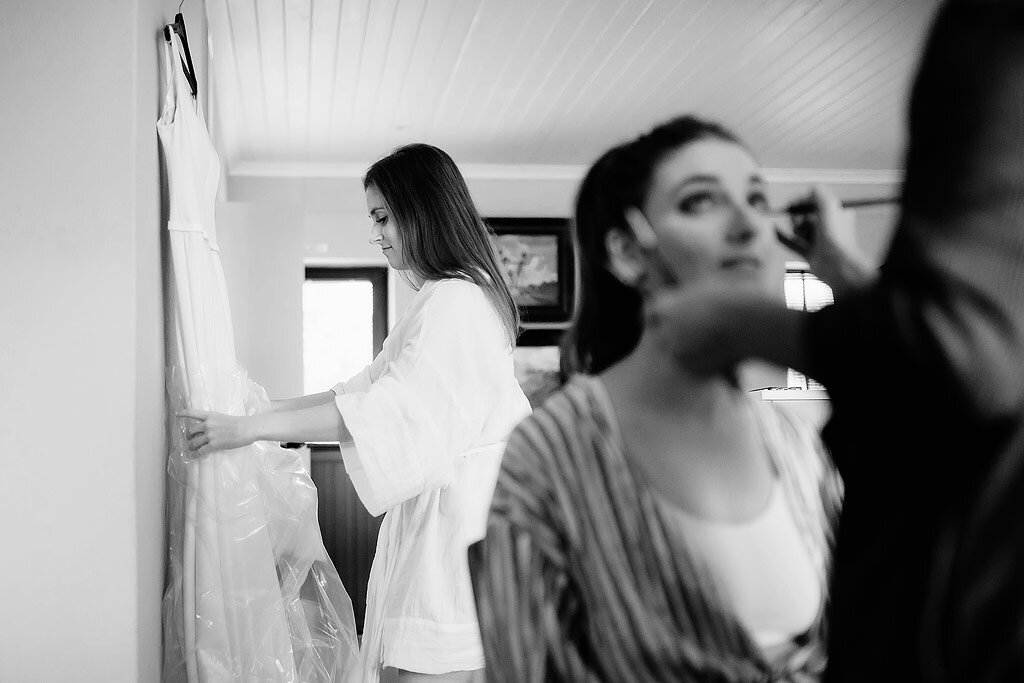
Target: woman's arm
{"x": 308, "y": 401}
{"x": 212, "y": 432}
{"x": 709, "y": 328}
{"x": 431, "y": 401}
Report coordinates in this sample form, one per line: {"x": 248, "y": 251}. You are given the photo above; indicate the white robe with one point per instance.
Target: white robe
{"x": 429, "y": 419}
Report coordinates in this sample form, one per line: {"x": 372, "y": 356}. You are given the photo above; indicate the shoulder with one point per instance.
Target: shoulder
{"x": 785, "y": 425}
{"x": 782, "y": 423}
{"x": 547, "y": 465}
{"x": 449, "y": 290}
{"x": 558, "y": 435}
{"x": 454, "y": 302}
{"x": 448, "y": 300}
{"x": 796, "y": 444}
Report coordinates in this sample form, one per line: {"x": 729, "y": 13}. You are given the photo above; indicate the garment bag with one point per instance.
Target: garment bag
{"x": 251, "y": 592}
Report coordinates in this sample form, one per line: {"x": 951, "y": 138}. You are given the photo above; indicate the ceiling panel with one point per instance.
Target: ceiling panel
{"x": 808, "y": 83}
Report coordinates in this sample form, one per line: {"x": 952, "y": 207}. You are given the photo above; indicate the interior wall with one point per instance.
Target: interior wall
{"x": 335, "y": 229}
{"x": 261, "y": 249}
{"x": 339, "y": 202}
{"x": 82, "y": 361}
{"x": 493, "y": 196}
{"x": 265, "y": 248}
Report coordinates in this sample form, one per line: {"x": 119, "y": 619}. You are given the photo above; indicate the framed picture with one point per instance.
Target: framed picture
{"x": 536, "y": 363}
{"x": 536, "y": 254}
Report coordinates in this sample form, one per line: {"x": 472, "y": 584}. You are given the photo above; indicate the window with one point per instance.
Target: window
{"x": 344, "y": 322}
{"x": 804, "y": 292}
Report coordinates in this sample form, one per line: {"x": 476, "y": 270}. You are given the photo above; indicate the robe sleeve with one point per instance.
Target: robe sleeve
{"x": 429, "y": 403}
{"x": 362, "y": 380}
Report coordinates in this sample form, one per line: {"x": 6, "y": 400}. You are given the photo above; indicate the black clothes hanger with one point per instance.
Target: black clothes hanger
{"x": 179, "y": 27}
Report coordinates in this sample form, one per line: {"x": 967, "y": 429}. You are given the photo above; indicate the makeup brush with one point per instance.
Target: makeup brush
{"x": 803, "y": 216}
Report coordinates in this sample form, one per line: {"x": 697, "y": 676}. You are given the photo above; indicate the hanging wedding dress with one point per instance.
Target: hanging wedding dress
{"x": 251, "y": 593}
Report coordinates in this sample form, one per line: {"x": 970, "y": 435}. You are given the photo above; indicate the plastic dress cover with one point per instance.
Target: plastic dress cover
{"x": 251, "y": 592}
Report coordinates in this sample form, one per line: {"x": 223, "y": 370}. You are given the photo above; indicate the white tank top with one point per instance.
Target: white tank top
{"x": 760, "y": 566}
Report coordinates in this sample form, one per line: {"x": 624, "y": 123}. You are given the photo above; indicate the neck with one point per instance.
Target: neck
{"x": 651, "y": 378}
{"x": 412, "y": 278}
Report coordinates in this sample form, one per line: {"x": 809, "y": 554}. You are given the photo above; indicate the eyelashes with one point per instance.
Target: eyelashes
{"x": 698, "y": 202}
{"x": 759, "y": 201}
{"x": 703, "y": 201}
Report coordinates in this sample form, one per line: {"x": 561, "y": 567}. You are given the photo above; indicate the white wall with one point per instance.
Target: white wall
{"x": 343, "y": 238}
{"x": 261, "y": 249}
{"x": 81, "y": 349}
{"x": 493, "y": 196}
{"x": 271, "y": 228}
{"x": 265, "y": 248}
{"x": 336, "y": 227}
{"x": 339, "y": 202}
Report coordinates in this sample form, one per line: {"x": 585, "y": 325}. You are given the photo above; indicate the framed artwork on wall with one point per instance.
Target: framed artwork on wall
{"x": 536, "y": 254}
{"x": 536, "y": 361}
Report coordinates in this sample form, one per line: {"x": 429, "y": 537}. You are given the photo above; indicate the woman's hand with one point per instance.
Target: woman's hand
{"x": 694, "y": 324}
{"x": 709, "y": 327}
{"x": 818, "y": 237}
{"x": 209, "y": 432}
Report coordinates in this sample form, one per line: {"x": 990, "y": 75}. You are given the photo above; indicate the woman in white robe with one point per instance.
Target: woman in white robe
{"x": 428, "y": 418}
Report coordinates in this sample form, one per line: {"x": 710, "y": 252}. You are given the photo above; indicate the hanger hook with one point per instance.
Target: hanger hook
{"x": 179, "y": 6}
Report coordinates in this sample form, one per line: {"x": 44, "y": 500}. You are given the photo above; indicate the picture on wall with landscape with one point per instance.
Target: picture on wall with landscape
{"x": 536, "y": 255}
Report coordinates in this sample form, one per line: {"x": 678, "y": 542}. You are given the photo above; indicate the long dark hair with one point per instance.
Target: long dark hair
{"x": 608, "y": 319}
{"x": 443, "y": 235}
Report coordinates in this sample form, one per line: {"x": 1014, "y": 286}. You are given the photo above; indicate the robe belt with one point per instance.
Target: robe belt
{"x": 182, "y": 226}
{"x": 483, "y": 449}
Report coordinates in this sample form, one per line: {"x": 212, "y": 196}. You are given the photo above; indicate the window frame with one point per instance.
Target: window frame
{"x": 349, "y": 533}
{"x": 378, "y": 278}
{"x": 803, "y": 269}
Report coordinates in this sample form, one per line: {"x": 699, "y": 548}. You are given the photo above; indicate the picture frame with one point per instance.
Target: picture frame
{"x": 537, "y": 256}
{"x": 536, "y": 361}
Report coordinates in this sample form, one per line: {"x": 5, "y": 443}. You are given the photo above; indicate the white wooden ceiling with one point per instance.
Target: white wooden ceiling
{"x": 810, "y": 84}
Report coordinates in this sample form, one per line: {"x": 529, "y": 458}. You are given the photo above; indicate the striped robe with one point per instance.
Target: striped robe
{"x": 582, "y": 578}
